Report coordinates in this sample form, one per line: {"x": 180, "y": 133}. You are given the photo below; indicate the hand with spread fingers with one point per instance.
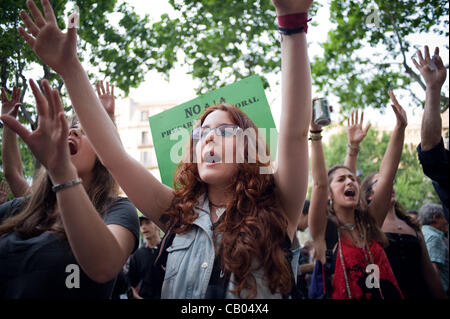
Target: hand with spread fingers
{"x": 106, "y": 97}
{"x": 431, "y": 68}
{"x": 51, "y": 45}
{"x": 49, "y": 141}
{"x": 10, "y": 106}
{"x": 402, "y": 120}
{"x": 355, "y": 131}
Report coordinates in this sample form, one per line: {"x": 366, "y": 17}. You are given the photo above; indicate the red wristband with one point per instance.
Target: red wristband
{"x": 294, "y": 21}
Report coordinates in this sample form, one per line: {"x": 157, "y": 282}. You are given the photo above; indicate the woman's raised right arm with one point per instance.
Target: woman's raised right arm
{"x": 58, "y": 50}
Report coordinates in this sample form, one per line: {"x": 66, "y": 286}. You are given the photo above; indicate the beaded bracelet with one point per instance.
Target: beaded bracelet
{"x": 67, "y": 184}
{"x": 355, "y": 148}
{"x": 315, "y": 137}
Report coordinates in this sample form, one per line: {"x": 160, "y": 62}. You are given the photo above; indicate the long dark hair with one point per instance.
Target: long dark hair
{"x": 38, "y": 210}
{"x": 253, "y": 227}
{"x": 400, "y": 211}
{"x": 365, "y": 222}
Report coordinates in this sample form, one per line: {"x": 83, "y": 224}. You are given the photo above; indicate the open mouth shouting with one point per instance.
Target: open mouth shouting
{"x": 212, "y": 159}
{"x": 73, "y": 146}
{"x": 350, "y": 194}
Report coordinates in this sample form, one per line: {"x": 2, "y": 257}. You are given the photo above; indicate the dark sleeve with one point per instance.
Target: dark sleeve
{"x": 435, "y": 164}
{"x": 122, "y": 212}
{"x": 10, "y": 208}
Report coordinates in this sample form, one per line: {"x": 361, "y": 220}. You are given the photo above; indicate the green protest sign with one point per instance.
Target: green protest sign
{"x": 171, "y": 129}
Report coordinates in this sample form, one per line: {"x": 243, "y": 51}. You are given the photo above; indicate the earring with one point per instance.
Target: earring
{"x": 330, "y": 202}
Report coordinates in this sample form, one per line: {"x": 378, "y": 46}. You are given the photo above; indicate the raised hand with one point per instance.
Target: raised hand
{"x": 402, "y": 120}
{"x": 291, "y": 6}
{"x": 106, "y": 97}
{"x": 434, "y": 78}
{"x": 55, "y": 48}
{"x": 49, "y": 141}
{"x": 4, "y": 191}
{"x": 11, "y": 106}
{"x": 355, "y": 131}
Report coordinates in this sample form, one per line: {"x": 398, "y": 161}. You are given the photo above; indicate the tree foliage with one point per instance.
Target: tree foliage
{"x": 114, "y": 43}
{"x": 359, "y": 78}
{"x": 413, "y": 188}
{"x": 224, "y": 41}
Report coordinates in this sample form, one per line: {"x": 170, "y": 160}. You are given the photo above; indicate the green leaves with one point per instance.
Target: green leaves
{"x": 380, "y": 35}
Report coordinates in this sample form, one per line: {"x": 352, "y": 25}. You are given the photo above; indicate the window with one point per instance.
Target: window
{"x": 145, "y": 158}
{"x": 144, "y": 115}
{"x": 144, "y": 138}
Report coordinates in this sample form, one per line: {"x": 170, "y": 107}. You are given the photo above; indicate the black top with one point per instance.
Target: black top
{"x": 435, "y": 164}
{"x": 404, "y": 253}
{"x": 140, "y": 273}
{"x": 44, "y": 267}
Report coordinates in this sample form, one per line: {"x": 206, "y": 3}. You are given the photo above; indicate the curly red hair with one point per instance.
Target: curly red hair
{"x": 253, "y": 229}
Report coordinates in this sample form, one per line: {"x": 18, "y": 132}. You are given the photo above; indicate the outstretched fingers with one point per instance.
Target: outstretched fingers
{"x": 48, "y": 11}
{"x": 29, "y": 23}
{"x": 36, "y": 13}
{"x": 28, "y": 38}
{"x": 41, "y": 103}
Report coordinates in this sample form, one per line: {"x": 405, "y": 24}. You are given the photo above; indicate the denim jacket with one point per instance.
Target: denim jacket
{"x": 191, "y": 258}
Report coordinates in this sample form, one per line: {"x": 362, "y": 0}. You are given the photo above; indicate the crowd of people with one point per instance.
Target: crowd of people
{"x": 229, "y": 231}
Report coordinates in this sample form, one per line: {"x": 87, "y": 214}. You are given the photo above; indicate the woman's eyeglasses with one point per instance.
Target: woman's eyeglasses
{"x": 223, "y": 130}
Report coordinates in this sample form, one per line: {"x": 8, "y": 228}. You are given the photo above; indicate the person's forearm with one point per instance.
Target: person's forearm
{"x": 292, "y": 171}
{"x": 351, "y": 157}
{"x": 391, "y": 159}
{"x": 381, "y": 203}
{"x": 95, "y": 120}
{"x": 431, "y": 129}
{"x": 317, "y": 216}
{"x": 94, "y": 246}
{"x": 12, "y": 163}
{"x": 296, "y": 86}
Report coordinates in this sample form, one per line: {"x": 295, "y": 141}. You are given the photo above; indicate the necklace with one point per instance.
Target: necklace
{"x": 217, "y": 206}
{"x": 399, "y": 227}
{"x": 348, "y": 226}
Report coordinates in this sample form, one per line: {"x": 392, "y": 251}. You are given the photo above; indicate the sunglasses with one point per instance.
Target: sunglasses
{"x": 224, "y": 130}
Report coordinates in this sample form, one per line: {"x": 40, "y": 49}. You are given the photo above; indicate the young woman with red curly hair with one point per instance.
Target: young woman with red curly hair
{"x": 231, "y": 222}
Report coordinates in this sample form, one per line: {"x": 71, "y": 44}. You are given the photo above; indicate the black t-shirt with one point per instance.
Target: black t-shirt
{"x": 44, "y": 267}
{"x": 139, "y": 273}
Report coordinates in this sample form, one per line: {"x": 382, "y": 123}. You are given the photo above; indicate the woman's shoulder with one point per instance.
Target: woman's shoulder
{"x": 11, "y": 208}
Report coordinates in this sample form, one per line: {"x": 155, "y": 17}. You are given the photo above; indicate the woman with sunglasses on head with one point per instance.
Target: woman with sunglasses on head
{"x": 347, "y": 232}
{"x": 233, "y": 225}
{"x": 70, "y": 238}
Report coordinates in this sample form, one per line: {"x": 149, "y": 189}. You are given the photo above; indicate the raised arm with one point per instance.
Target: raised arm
{"x": 355, "y": 135}
{"x": 58, "y": 50}
{"x": 380, "y": 203}
{"x": 107, "y": 98}
{"x": 101, "y": 250}
{"x": 317, "y": 216}
{"x": 12, "y": 162}
{"x": 431, "y": 129}
{"x": 292, "y": 173}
